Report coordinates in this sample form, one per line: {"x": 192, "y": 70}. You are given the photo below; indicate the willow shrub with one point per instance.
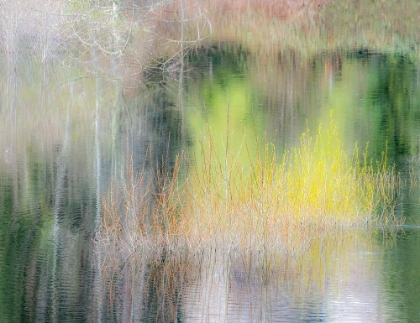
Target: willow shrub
{"x": 282, "y": 203}
{"x": 312, "y": 189}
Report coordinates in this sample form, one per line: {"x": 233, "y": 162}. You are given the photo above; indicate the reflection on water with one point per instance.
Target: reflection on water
{"x": 65, "y": 137}
{"x": 330, "y": 287}
{"x": 343, "y": 278}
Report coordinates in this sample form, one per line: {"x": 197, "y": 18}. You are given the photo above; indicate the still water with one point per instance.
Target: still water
{"x": 66, "y": 138}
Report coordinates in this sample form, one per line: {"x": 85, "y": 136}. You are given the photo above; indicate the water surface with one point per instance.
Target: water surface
{"x": 66, "y": 136}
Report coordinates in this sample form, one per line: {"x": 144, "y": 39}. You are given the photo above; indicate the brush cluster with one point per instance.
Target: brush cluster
{"x": 280, "y": 203}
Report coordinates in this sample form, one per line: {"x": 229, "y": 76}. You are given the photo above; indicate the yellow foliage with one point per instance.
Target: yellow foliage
{"x": 313, "y": 188}
{"x": 281, "y": 203}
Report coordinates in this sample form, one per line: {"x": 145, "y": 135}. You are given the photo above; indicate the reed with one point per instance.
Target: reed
{"x": 278, "y": 203}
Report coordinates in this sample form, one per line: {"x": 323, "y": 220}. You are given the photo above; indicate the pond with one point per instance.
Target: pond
{"x": 71, "y": 138}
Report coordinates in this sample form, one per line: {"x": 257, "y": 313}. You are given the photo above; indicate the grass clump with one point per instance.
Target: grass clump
{"x": 278, "y": 202}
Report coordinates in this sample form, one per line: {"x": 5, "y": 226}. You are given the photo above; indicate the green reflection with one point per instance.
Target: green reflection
{"x": 375, "y": 100}
{"x": 221, "y": 118}
{"x": 401, "y": 274}
{"x": 25, "y": 212}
